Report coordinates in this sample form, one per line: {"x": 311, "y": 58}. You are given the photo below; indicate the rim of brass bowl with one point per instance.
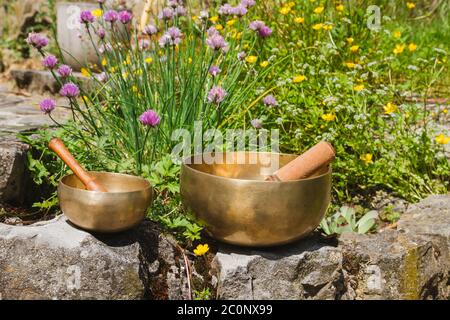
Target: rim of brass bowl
{"x": 252, "y": 227}
{"x": 114, "y": 211}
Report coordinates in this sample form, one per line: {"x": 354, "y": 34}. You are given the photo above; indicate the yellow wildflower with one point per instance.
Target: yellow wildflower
{"x": 85, "y": 72}
{"x": 397, "y": 34}
{"x": 125, "y": 75}
{"x": 399, "y": 48}
{"x": 340, "y": 7}
{"x": 134, "y": 89}
{"x": 219, "y": 27}
{"x": 251, "y": 59}
{"x": 290, "y": 4}
{"x": 445, "y": 111}
{"x": 214, "y": 19}
{"x": 149, "y": 60}
{"x": 354, "y": 48}
{"x": 358, "y": 87}
{"x": 231, "y": 22}
{"x": 410, "y": 5}
{"x": 299, "y": 20}
{"x": 328, "y": 117}
{"x": 113, "y": 69}
{"x": 194, "y": 18}
{"x": 349, "y": 65}
{"x": 317, "y": 26}
{"x": 349, "y": 40}
{"x": 104, "y": 62}
{"x": 201, "y": 249}
{"x": 442, "y": 139}
{"x": 367, "y": 158}
{"x": 97, "y": 13}
{"x": 190, "y": 60}
{"x": 327, "y": 27}
{"x": 319, "y": 10}
{"x": 138, "y": 72}
{"x": 264, "y": 64}
{"x": 412, "y": 47}
{"x": 390, "y": 108}
{"x": 285, "y": 10}
{"x": 298, "y": 79}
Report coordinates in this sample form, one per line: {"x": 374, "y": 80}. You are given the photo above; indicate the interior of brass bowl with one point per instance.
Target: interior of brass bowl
{"x": 237, "y": 206}
{"x": 122, "y": 207}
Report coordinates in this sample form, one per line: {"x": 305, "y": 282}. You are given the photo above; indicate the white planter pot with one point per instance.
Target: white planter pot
{"x": 73, "y": 38}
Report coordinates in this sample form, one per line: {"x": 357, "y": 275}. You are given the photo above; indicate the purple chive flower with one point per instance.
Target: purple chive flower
{"x": 225, "y": 9}
{"x": 216, "y": 94}
{"x": 270, "y": 101}
{"x": 265, "y": 32}
{"x": 180, "y": 11}
{"x": 102, "y": 77}
{"x": 166, "y": 14}
{"x": 241, "y": 55}
{"x": 101, "y": 1}
{"x": 64, "y": 71}
{"x": 260, "y": 27}
{"x": 204, "y": 14}
{"x": 212, "y": 31}
{"x": 37, "y": 40}
{"x": 47, "y": 105}
{"x": 111, "y": 16}
{"x": 105, "y": 48}
{"x": 150, "y": 30}
{"x": 101, "y": 33}
{"x": 214, "y": 71}
{"x": 69, "y": 90}
{"x": 173, "y": 3}
{"x": 171, "y": 37}
{"x": 144, "y": 44}
{"x": 86, "y": 17}
{"x": 50, "y": 62}
{"x": 150, "y": 118}
{"x": 256, "y": 123}
{"x": 240, "y": 10}
{"x": 125, "y": 16}
{"x": 217, "y": 42}
{"x": 248, "y": 3}
{"x": 256, "y": 25}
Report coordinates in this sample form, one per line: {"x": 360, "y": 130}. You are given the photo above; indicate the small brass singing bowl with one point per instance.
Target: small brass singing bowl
{"x": 238, "y": 207}
{"x": 121, "y": 208}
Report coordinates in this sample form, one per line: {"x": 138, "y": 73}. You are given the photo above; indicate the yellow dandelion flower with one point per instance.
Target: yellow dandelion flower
{"x": 138, "y": 72}
{"x": 299, "y": 20}
{"x": 317, "y": 26}
{"x": 328, "y": 117}
{"x": 445, "y": 111}
{"x": 290, "y": 4}
{"x": 442, "y": 139}
{"x": 246, "y": 46}
{"x": 85, "y": 72}
{"x": 327, "y": 27}
{"x": 397, "y": 34}
{"x": 354, "y": 48}
{"x": 298, "y": 79}
{"x": 104, "y": 62}
{"x": 358, "y": 87}
{"x": 264, "y": 64}
{"x": 319, "y": 10}
{"x": 412, "y": 47}
{"x": 399, "y": 48}
{"x": 366, "y": 158}
{"x": 349, "y": 65}
{"x": 285, "y": 10}
{"x": 214, "y": 19}
{"x": 349, "y": 40}
{"x": 390, "y": 108}
{"x": 410, "y": 5}
{"x": 231, "y": 22}
{"x": 340, "y": 7}
{"x": 97, "y": 13}
{"x": 219, "y": 27}
{"x": 201, "y": 250}
{"x": 134, "y": 89}
{"x": 148, "y": 60}
{"x": 251, "y": 59}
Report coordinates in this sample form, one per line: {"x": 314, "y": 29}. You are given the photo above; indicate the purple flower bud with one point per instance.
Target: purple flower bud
{"x": 101, "y": 33}
{"x": 217, "y": 42}
{"x": 50, "y": 61}
{"x": 150, "y": 30}
{"x": 105, "y": 48}
{"x": 241, "y": 55}
{"x": 69, "y": 90}
{"x": 47, "y": 105}
{"x": 125, "y": 16}
{"x": 144, "y": 44}
{"x": 102, "y": 77}
{"x": 86, "y": 17}
{"x": 214, "y": 71}
{"x": 270, "y": 101}
{"x": 166, "y": 14}
{"x": 101, "y": 1}
{"x": 257, "y": 123}
{"x": 216, "y": 94}
{"x": 265, "y": 32}
{"x": 37, "y": 40}
{"x": 150, "y": 118}
{"x": 64, "y": 71}
{"x": 111, "y": 16}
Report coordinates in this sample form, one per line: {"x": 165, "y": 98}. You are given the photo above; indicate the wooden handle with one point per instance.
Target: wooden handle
{"x": 307, "y": 164}
{"x": 58, "y": 147}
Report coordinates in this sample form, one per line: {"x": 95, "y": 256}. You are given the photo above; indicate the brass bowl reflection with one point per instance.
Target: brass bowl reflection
{"x": 237, "y": 206}
{"x": 121, "y": 208}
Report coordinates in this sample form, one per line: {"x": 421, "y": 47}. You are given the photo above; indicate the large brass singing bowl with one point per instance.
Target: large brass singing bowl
{"x": 237, "y": 206}
{"x": 121, "y": 208}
